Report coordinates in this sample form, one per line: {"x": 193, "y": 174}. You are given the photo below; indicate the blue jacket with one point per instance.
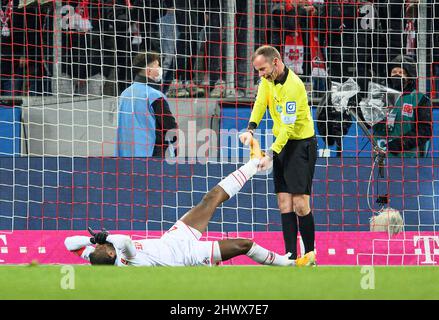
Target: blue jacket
{"x": 136, "y": 127}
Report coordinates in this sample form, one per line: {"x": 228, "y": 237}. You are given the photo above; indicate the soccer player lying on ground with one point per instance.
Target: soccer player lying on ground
{"x": 180, "y": 245}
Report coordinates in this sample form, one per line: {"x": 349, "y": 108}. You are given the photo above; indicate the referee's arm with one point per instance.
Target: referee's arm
{"x": 259, "y": 107}
{"x": 282, "y": 138}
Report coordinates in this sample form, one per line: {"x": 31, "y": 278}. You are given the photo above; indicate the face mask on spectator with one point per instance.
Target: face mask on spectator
{"x": 160, "y": 75}
{"x": 158, "y": 78}
{"x": 396, "y": 83}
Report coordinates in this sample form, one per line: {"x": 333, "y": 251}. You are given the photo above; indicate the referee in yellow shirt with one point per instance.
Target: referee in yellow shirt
{"x": 294, "y": 152}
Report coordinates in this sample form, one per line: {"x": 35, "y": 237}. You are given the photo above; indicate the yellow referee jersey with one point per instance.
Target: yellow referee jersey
{"x": 288, "y": 106}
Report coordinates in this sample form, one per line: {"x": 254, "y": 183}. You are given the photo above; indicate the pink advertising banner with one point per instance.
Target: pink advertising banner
{"x": 333, "y": 248}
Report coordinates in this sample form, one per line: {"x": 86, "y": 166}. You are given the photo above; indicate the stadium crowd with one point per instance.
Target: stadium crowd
{"x": 321, "y": 41}
{"x": 100, "y": 38}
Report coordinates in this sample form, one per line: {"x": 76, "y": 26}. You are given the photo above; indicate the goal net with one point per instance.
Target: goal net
{"x": 66, "y": 65}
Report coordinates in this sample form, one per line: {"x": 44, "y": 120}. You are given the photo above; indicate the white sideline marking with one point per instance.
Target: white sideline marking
{"x": 350, "y": 251}
{"x": 41, "y": 249}
{"x": 331, "y": 252}
{"x": 23, "y": 250}
{"x": 4, "y": 250}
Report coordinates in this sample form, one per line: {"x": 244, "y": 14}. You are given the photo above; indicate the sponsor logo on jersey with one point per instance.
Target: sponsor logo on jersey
{"x": 138, "y": 245}
{"x": 407, "y": 110}
{"x": 279, "y": 109}
{"x": 291, "y": 107}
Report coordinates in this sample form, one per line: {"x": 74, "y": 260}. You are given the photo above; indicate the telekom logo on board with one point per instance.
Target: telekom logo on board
{"x": 334, "y": 248}
{"x": 430, "y": 242}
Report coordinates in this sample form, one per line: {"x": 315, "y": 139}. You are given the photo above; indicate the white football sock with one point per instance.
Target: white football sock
{"x": 267, "y": 257}
{"x": 236, "y": 180}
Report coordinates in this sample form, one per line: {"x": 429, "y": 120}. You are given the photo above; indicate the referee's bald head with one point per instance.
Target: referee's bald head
{"x": 269, "y": 52}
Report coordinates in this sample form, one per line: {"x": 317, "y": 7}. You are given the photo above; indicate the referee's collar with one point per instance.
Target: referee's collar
{"x": 284, "y": 78}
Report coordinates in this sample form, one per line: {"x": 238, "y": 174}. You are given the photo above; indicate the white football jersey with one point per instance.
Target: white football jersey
{"x": 179, "y": 246}
{"x": 150, "y": 252}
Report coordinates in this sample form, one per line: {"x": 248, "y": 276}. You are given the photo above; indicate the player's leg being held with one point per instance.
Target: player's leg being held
{"x": 235, "y": 181}
{"x": 199, "y": 216}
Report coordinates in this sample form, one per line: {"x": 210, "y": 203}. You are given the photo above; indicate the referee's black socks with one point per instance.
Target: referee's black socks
{"x": 307, "y": 231}
{"x": 289, "y": 230}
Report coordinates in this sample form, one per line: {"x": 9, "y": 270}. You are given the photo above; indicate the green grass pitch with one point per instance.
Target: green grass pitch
{"x": 266, "y": 283}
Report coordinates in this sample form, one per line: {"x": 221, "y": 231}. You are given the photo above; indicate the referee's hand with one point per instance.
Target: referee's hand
{"x": 246, "y": 137}
{"x": 265, "y": 163}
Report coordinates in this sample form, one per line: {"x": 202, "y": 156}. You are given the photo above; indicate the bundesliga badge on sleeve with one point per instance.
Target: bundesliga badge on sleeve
{"x": 279, "y": 108}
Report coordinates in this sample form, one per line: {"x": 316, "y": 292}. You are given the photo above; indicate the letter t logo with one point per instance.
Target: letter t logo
{"x": 5, "y": 242}
{"x": 428, "y": 250}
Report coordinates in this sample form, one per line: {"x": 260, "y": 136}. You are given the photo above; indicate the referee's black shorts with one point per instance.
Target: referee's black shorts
{"x": 293, "y": 167}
